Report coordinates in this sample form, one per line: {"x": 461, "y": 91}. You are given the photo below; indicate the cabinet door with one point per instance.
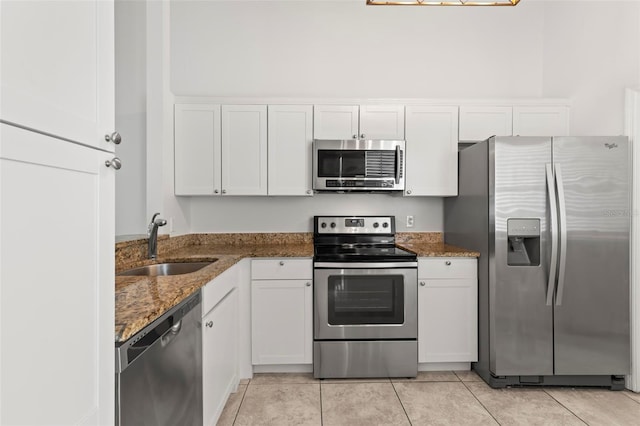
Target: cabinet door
{"x": 244, "y": 149}
{"x": 432, "y": 150}
{"x": 197, "y": 149}
{"x": 219, "y": 356}
{"x": 58, "y": 68}
{"x": 478, "y": 123}
{"x": 281, "y": 322}
{"x": 290, "y": 137}
{"x": 335, "y": 121}
{"x": 447, "y": 330}
{"x": 57, "y": 275}
{"x": 382, "y": 122}
{"x": 541, "y": 121}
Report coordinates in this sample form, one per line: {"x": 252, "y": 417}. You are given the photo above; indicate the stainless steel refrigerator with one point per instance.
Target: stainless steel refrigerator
{"x": 551, "y": 219}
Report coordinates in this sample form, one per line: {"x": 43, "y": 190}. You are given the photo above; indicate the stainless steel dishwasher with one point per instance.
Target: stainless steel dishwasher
{"x": 159, "y": 370}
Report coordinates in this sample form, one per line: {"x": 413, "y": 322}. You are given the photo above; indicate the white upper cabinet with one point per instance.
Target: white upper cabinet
{"x": 335, "y": 121}
{"x": 478, "y": 123}
{"x": 57, "y": 68}
{"x": 432, "y": 151}
{"x": 244, "y": 149}
{"x": 382, "y": 122}
{"x": 540, "y": 121}
{"x": 289, "y": 158}
{"x": 198, "y": 149}
{"x": 358, "y": 122}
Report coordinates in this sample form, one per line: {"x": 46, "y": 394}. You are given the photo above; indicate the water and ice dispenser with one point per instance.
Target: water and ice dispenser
{"x": 523, "y": 239}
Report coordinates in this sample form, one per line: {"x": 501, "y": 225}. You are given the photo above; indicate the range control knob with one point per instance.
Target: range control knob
{"x": 385, "y": 225}
{"x": 323, "y": 225}
{"x": 333, "y": 224}
{"x": 376, "y": 224}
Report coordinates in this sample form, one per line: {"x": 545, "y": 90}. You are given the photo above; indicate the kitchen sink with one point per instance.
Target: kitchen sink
{"x": 164, "y": 269}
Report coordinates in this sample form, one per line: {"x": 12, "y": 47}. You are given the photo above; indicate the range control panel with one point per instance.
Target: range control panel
{"x": 355, "y": 224}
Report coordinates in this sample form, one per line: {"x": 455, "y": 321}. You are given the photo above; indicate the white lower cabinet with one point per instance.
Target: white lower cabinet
{"x": 281, "y": 311}
{"x": 220, "y": 344}
{"x": 447, "y": 310}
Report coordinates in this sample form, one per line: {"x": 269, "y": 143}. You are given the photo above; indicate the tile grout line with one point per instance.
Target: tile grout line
{"x": 565, "y": 407}
{"x": 240, "y": 405}
{"x": 401, "y": 404}
{"x": 479, "y": 402}
{"x": 633, "y": 399}
{"x": 321, "y": 418}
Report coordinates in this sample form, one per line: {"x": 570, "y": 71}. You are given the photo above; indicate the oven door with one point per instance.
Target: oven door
{"x": 365, "y": 301}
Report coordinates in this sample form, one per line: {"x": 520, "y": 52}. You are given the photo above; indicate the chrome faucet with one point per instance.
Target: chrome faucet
{"x": 153, "y": 234}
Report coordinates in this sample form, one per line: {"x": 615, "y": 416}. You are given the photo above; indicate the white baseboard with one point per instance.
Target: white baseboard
{"x": 294, "y": 368}
{"x": 444, "y": 366}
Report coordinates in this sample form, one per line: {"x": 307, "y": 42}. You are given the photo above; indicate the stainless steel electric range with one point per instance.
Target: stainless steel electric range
{"x": 365, "y": 299}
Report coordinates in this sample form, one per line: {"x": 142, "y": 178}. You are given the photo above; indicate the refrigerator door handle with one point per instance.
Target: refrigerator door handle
{"x": 563, "y": 233}
{"x": 553, "y": 213}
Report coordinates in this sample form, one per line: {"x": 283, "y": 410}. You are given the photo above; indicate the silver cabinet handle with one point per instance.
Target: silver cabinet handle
{"x": 362, "y": 135}
{"x": 448, "y": 263}
{"x": 408, "y": 192}
{"x": 422, "y": 283}
{"x": 282, "y": 263}
{"x": 309, "y": 191}
{"x": 113, "y": 137}
{"x": 224, "y": 191}
{"x": 209, "y": 324}
{"x": 215, "y": 191}
{"x": 115, "y": 163}
{"x": 355, "y": 136}
{"x": 308, "y": 284}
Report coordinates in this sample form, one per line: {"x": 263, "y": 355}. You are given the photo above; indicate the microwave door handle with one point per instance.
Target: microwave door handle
{"x": 398, "y": 155}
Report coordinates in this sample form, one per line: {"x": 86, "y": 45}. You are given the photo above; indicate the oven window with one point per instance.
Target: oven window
{"x": 366, "y": 299}
{"x": 341, "y": 163}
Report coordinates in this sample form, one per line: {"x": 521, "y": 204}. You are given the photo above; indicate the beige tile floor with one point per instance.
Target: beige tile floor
{"x": 433, "y": 398}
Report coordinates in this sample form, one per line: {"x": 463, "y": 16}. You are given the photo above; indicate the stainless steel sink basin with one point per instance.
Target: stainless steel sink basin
{"x": 163, "y": 269}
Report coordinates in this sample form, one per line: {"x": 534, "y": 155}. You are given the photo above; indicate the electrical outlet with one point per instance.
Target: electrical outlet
{"x": 409, "y": 221}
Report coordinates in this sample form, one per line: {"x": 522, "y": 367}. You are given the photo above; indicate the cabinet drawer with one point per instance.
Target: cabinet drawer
{"x": 447, "y": 267}
{"x": 283, "y": 269}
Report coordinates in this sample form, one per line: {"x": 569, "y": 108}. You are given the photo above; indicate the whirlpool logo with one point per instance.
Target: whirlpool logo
{"x": 611, "y": 145}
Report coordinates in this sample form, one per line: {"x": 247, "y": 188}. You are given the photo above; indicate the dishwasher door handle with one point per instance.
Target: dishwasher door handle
{"x": 171, "y": 334}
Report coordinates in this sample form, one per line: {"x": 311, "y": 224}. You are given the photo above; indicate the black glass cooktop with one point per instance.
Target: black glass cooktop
{"x": 351, "y": 253}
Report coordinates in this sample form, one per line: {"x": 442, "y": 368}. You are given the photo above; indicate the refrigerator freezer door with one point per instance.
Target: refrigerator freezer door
{"x": 592, "y": 317}
{"x": 521, "y": 322}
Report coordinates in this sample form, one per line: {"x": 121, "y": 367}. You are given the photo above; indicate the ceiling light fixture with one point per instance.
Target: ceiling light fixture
{"x": 443, "y": 3}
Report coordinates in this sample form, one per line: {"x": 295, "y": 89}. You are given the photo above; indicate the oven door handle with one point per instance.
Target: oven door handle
{"x": 364, "y": 265}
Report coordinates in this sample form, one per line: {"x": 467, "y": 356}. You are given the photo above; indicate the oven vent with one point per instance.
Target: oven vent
{"x": 382, "y": 163}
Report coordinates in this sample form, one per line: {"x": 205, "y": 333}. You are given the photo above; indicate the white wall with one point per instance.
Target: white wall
{"x": 131, "y": 91}
{"x": 591, "y": 54}
{"x": 348, "y": 49}
{"x": 294, "y": 214}
{"x": 586, "y": 51}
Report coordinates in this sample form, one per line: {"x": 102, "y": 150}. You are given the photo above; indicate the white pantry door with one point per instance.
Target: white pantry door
{"x": 57, "y": 68}
{"x": 56, "y": 212}
{"x": 56, "y": 281}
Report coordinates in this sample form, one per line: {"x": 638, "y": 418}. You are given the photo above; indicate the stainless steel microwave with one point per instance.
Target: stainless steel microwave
{"x": 358, "y": 165}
